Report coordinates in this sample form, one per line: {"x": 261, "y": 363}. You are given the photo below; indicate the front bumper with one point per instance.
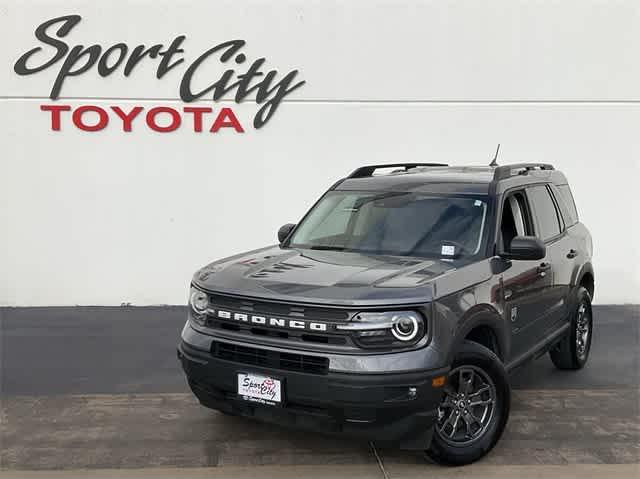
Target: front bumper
{"x": 377, "y": 407}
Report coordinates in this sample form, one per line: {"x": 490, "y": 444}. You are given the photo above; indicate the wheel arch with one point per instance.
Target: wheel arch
{"x": 588, "y": 281}
{"x": 482, "y": 324}
{"x": 584, "y": 276}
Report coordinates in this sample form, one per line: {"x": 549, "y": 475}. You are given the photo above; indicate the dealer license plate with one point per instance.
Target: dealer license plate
{"x": 260, "y": 389}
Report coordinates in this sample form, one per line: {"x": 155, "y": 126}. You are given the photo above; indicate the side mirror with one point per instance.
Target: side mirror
{"x": 527, "y": 248}
{"x": 284, "y": 231}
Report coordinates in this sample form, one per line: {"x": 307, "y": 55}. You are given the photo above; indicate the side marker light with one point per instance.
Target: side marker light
{"x": 438, "y": 382}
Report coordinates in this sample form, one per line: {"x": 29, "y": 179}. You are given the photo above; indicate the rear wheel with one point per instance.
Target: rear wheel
{"x": 475, "y": 408}
{"x": 573, "y": 351}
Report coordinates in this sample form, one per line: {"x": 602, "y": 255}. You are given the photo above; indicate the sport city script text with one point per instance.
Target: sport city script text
{"x": 79, "y": 59}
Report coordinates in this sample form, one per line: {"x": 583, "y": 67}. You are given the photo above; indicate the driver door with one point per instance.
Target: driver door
{"x": 526, "y": 286}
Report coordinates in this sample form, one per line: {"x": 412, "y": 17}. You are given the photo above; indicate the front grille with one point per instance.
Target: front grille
{"x": 292, "y": 335}
{"x": 281, "y": 309}
{"x": 270, "y": 359}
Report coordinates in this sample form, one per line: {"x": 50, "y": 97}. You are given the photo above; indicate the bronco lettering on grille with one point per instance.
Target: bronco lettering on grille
{"x": 268, "y": 321}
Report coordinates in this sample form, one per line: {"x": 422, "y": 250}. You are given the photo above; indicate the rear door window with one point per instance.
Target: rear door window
{"x": 544, "y": 209}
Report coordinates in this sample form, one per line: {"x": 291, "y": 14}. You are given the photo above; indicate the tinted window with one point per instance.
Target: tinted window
{"x": 567, "y": 205}
{"x": 395, "y": 223}
{"x": 545, "y": 212}
{"x": 515, "y": 220}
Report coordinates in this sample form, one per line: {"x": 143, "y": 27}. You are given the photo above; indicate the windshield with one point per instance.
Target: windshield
{"x": 394, "y": 223}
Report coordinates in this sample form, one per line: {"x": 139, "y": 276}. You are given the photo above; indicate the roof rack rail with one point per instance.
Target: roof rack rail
{"x": 365, "y": 171}
{"x": 507, "y": 171}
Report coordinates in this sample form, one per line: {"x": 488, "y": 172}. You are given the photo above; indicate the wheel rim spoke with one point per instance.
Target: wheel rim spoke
{"x": 475, "y": 419}
{"x": 481, "y": 390}
{"x": 467, "y": 407}
{"x": 465, "y": 384}
{"x": 454, "y": 426}
{"x": 460, "y": 381}
{"x": 449, "y": 422}
{"x": 467, "y": 427}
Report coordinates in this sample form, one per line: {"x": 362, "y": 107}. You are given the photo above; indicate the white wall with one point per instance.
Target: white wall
{"x": 111, "y": 217}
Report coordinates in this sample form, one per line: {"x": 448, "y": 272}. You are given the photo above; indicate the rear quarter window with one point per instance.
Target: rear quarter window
{"x": 567, "y": 205}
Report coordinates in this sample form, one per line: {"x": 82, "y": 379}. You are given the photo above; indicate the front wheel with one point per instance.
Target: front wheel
{"x": 475, "y": 407}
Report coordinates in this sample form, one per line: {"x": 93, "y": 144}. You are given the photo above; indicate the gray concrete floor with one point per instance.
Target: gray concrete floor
{"x": 100, "y": 388}
{"x": 576, "y": 471}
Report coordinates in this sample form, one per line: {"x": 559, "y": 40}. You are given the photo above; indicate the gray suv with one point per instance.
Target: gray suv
{"x": 395, "y": 308}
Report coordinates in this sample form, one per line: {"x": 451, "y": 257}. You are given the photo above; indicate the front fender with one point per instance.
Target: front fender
{"x": 580, "y": 271}
{"x": 482, "y": 315}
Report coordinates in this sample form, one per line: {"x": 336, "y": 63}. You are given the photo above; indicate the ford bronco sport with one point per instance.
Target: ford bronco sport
{"x": 395, "y": 308}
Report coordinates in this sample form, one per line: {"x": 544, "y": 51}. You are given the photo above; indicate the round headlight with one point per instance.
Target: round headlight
{"x": 199, "y": 301}
{"x": 374, "y": 329}
{"x": 405, "y": 327}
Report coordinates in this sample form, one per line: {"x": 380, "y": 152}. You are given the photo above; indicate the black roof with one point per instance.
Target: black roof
{"x": 450, "y": 179}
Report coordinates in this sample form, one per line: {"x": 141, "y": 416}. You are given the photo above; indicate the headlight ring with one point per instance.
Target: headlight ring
{"x": 405, "y": 327}
{"x": 199, "y": 301}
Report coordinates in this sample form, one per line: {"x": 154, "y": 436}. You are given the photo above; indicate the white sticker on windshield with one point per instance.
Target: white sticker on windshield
{"x": 448, "y": 250}
{"x": 477, "y": 203}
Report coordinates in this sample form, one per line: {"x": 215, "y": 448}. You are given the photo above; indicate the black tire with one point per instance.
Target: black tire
{"x": 482, "y": 364}
{"x": 568, "y": 354}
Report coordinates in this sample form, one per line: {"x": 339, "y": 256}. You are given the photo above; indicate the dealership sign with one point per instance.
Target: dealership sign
{"x": 267, "y": 88}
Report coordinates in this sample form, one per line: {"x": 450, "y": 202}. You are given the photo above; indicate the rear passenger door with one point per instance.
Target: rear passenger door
{"x": 550, "y": 228}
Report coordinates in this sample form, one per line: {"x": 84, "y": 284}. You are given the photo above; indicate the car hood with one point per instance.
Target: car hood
{"x": 324, "y": 277}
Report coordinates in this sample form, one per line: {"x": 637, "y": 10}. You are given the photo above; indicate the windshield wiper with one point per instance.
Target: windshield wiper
{"x": 327, "y": 248}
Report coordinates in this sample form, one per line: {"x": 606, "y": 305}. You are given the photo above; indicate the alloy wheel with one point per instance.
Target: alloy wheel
{"x": 468, "y": 407}
{"x": 583, "y": 330}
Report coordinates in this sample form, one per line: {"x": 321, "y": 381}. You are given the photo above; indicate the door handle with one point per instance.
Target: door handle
{"x": 572, "y": 253}
{"x": 543, "y": 268}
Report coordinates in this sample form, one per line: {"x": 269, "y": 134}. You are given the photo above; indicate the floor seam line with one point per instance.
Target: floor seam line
{"x": 379, "y": 460}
